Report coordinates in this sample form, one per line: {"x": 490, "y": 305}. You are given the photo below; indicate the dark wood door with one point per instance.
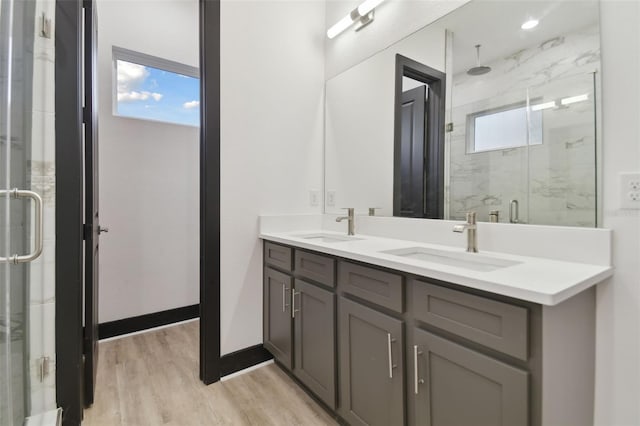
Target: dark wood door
{"x": 92, "y": 218}
{"x": 278, "y": 331}
{"x": 455, "y": 386}
{"x": 410, "y": 200}
{"x": 371, "y": 366}
{"x": 314, "y": 340}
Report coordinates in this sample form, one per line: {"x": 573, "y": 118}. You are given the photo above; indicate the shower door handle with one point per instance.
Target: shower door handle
{"x": 37, "y": 200}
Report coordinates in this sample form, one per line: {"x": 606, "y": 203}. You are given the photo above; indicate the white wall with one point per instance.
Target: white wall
{"x": 618, "y": 301}
{"x": 149, "y": 191}
{"x": 359, "y": 122}
{"x": 272, "y": 83}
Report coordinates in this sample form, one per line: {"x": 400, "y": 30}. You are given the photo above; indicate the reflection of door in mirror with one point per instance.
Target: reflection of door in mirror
{"x": 412, "y": 146}
{"x": 419, "y": 140}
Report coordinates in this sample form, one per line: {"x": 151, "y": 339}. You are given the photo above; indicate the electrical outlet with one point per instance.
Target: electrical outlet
{"x": 331, "y": 198}
{"x": 314, "y": 197}
{"x": 630, "y": 190}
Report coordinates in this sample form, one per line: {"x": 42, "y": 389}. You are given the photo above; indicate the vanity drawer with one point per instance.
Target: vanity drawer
{"x": 278, "y": 256}
{"x": 494, "y": 324}
{"x": 379, "y": 287}
{"x": 316, "y": 267}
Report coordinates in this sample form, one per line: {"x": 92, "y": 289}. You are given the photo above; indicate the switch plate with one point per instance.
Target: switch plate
{"x": 630, "y": 191}
{"x": 314, "y": 197}
{"x": 331, "y": 198}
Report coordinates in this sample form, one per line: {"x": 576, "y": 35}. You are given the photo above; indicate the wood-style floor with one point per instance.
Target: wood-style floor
{"x": 152, "y": 379}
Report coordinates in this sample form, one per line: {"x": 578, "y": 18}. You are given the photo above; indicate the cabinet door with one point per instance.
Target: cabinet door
{"x": 314, "y": 340}
{"x": 277, "y": 315}
{"x": 456, "y": 386}
{"x": 371, "y": 366}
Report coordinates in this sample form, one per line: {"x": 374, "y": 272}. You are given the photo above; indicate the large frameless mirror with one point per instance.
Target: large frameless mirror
{"x": 520, "y": 140}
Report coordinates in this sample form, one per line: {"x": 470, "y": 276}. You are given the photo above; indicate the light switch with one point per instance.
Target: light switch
{"x": 314, "y": 197}
{"x": 331, "y": 198}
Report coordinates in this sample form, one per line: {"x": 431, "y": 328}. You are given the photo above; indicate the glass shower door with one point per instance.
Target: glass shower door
{"x": 20, "y": 209}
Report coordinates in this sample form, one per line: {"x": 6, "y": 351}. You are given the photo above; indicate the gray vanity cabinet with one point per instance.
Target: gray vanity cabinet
{"x": 277, "y": 324}
{"x": 457, "y": 386}
{"x": 466, "y": 358}
{"x": 314, "y": 340}
{"x": 371, "y": 366}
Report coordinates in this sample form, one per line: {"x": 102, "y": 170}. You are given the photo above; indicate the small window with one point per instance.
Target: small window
{"x": 504, "y": 128}
{"x": 152, "y": 88}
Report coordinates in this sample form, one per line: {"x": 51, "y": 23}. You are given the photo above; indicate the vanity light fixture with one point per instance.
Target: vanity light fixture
{"x": 574, "y": 99}
{"x": 530, "y": 24}
{"x": 362, "y": 14}
{"x": 546, "y": 105}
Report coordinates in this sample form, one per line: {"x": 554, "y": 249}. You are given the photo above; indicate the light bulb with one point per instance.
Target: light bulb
{"x": 340, "y": 26}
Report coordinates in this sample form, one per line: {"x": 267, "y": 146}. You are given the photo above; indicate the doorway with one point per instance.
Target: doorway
{"x": 71, "y": 184}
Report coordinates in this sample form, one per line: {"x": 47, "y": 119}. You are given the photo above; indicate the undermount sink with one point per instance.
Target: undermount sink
{"x": 472, "y": 261}
{"x": 327, "y": 238}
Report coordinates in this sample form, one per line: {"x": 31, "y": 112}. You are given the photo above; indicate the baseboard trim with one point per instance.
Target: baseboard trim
{"x": 144, "y": 322}
{"x": 244, "y": 358}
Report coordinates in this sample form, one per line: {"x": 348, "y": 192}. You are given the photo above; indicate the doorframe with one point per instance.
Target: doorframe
{"x": 210, "y": 191}
{"x": 70, "y": 207}
{"x": 436, "y": 81}
{"x": 69, "y": 211}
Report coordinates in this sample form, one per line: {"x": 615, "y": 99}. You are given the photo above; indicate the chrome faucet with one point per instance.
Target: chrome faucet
{"x": 471, "y": 228}
{"x": 351, "y": 217}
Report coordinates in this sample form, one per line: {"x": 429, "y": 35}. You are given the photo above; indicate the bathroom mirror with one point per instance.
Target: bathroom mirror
{"x": 519, "y": 134}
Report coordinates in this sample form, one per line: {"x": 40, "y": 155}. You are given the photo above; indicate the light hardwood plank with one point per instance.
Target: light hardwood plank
{"x": 152, "y": 379}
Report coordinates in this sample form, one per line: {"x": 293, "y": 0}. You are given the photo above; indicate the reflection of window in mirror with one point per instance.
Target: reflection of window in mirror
{"x": 419, "y": 140}
{"x": 511, "y": 126}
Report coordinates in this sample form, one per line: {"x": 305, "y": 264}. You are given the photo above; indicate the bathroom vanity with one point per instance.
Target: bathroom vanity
{"x": 426, "y": 335}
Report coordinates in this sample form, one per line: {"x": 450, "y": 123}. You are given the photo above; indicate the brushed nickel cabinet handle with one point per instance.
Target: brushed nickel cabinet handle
{"x": 390, "y": 340}
{"x": 416, "y": 380}
{"x": 284, "y": 298}
{"x": 293, "y": 303}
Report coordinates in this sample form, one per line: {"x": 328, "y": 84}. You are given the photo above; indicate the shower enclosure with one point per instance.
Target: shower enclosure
{"x": 25, "y": 371}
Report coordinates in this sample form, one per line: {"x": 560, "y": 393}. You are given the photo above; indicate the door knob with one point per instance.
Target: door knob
{"x": 101, "y": 229}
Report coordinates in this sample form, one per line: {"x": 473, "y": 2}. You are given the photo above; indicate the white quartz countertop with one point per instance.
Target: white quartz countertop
{"x": 533, "y": 279}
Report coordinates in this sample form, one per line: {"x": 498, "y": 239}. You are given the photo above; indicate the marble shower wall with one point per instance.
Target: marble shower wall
{"x": 41, "y": 172}
{"x": 555, "y": 182}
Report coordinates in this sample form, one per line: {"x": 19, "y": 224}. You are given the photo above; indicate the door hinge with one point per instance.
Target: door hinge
{"x": 86, "y": 229}
{"x": 43, "y": 368}
{"x": 448, "y": 128}
{"x": 85, "y": 115}
{"x": 45, "y": 26}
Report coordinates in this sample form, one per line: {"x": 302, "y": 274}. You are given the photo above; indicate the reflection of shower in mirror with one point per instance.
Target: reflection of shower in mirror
{"x": 478, "y": 69}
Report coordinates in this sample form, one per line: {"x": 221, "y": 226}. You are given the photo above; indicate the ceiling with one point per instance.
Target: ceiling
{"x": 496, "y": 26}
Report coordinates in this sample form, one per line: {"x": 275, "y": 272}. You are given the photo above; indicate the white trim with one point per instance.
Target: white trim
{"x": 148, "y": 330}
{"x": 246, "y": 370}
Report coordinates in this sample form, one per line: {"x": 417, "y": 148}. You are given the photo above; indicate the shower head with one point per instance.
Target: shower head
{"x": 478, "y": 69}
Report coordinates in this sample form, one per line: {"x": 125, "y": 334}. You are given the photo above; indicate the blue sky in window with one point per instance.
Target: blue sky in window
{"x": 155, "y": 94}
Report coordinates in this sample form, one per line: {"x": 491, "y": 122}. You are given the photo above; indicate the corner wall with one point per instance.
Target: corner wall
{"x": 272, "y": 100}
{"x": 618, "y": 300}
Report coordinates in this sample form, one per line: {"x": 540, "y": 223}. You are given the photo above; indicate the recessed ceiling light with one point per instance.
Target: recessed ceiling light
{"x": 530, "y": 24}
